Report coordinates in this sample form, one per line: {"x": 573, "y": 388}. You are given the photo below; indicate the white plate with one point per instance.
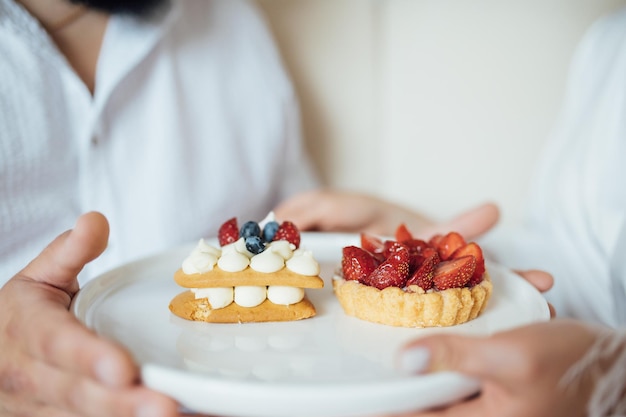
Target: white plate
{"x": 330, "y": 365}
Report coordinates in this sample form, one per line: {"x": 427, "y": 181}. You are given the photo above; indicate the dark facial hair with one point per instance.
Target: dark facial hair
{"x": 138, "y": 8}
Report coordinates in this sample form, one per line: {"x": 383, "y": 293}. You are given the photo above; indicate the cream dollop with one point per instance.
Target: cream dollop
{"x": 218, "y": 297}
{"x": 198, "y": 263}
{"x": 303, "y": 263}
{"x": 282, "y": 247}
{"x": 267, "y": 261}
{"x": 250, "y": 296}
{"x": 284, "y": 295}
{"x": 204, "y": 247}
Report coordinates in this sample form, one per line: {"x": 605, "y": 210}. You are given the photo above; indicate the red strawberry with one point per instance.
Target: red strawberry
{"x": 228, "y": 232}
{"x": 402, "y": 233}
{"x": 391, "y": 246}
{"x": 289, "y": 232}
{"x": 357, "y": 263}
{"x": 423, "y": 276}
{"x": 416, "y": 246}
{"x": 371, "y": 243}
{"x": 393, "y": 272}
{"x": 454, "y": 273}
{"x": 448, "y": 244}
{"x": 473, "y": 249}
{"x": 434, "y": 240}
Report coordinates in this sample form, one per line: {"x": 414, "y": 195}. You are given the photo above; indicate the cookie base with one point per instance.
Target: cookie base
{"x": 186, "y": 306}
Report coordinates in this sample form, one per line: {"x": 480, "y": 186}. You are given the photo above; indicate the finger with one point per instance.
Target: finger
{"x": 305, "y": 210}
{"x": 469, "y": 408}
{"x": 470, "y": 224}
{"x": 87, "y": 398}
{"x": 541, "y": 280}
{"x": 477, "y": 357}
{"x": 65, "y": 257}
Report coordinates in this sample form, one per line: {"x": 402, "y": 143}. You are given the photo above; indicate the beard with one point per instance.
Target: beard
{"x": 137, "y": 8}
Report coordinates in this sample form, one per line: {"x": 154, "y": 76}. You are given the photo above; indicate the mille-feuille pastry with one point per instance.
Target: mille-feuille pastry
{"x": 258, "y": 274}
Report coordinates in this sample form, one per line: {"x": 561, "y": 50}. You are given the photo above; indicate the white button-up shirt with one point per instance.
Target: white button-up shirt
{"x": 193, "y": 121}
{"x": 576, "y": 227}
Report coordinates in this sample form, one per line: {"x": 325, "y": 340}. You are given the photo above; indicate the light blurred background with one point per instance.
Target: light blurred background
{"x": 436, "y": 104}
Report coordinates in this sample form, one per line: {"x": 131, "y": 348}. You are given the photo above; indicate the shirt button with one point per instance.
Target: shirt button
{"x": 94, "y": 141}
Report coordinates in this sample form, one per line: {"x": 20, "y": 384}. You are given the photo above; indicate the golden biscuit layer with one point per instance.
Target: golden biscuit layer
{"x": 185, "y": 305}
{"x": 219, "y": 278}
{"x": 396, "y": 307}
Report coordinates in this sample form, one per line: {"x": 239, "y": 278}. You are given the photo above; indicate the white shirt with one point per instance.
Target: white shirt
{"x": 576, "y": 224}
{"x": 193, "y": 121}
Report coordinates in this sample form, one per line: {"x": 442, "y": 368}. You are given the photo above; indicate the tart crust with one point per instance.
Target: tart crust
{"x": 185, "y": 305}
{"x": 397, "y": 307}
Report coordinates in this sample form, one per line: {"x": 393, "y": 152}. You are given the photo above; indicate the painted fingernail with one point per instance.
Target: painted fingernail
{"x": 414, "y": 360}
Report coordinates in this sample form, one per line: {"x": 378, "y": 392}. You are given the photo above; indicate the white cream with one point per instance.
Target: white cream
{"x": 282, "y": 247}
{"x": 303, "y": 263}
{"x": 233, "y": 261}
{"x": 269, "y": 218}
{"x": 219, "y": 297}
{"x": 284, "y": 295}
{"x": 250, "y": 296}
{"x": 204, "y": 247}
{"x": 240, "y": 245}
{"x": 267, "y": 262}
{"x": 198, "y": 263}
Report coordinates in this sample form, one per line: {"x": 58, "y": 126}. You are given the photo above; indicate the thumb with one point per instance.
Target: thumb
{"x": 59, "y": 263}
{"x": 471, "y": 356}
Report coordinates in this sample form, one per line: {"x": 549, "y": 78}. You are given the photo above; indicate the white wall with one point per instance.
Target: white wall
{"x": 438, "y": 104}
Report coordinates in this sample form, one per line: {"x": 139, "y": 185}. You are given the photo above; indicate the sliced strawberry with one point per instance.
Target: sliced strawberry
{"x": 473, "y": 249}
{"x": 423, "y": 276}
{"x": 393, "y": 272}
{"x": 357, "y": 264}
{"x": 228, "y": 232}
{"x": 448, "y": 244}
{"x": 402, "y": 233}
{"x": 454, "y": 273}
{"x": 429, "y": 252}
{"x": 371, "y": 243}
{"x": 434, "y": 240}
{"x": 391, "y": 246}
{"x": 416, "y": 246}
{"x": 289, "y": 232}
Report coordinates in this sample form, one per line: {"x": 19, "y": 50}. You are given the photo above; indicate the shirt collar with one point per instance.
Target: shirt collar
{"x": 126, "y": 43}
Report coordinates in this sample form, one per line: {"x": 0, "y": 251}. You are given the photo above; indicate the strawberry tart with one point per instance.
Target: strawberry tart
{"x": 411, "y": 282}
{"x": 258, "y": 273}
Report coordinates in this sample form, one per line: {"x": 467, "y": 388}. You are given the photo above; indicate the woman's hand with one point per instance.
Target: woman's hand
{"x": 50, "y": 364}
{"x": 521, "y": 370}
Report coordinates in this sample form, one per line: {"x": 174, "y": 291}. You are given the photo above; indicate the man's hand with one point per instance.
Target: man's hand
{"x": 50, "y": 364}
{"x": 337, "y": 211}
{"x": 520, "y": 370}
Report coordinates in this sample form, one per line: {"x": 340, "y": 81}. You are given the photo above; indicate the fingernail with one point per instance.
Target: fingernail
{"x": 148, "y": 410}
{"x": 106, "y": 372}
{"x": 414, "y": 360}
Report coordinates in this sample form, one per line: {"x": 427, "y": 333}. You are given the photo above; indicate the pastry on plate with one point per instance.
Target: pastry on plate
{"x": 258, "y": 273}
{"x": 411, "y": 282}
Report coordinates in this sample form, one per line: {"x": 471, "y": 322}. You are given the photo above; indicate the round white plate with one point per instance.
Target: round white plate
{"x": 330, "y": 365}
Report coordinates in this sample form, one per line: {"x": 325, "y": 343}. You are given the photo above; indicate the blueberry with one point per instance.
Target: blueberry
{"x": 269, "y": 231}
{"x": 255, "y": 245}
{"x": 250, "y": 229}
